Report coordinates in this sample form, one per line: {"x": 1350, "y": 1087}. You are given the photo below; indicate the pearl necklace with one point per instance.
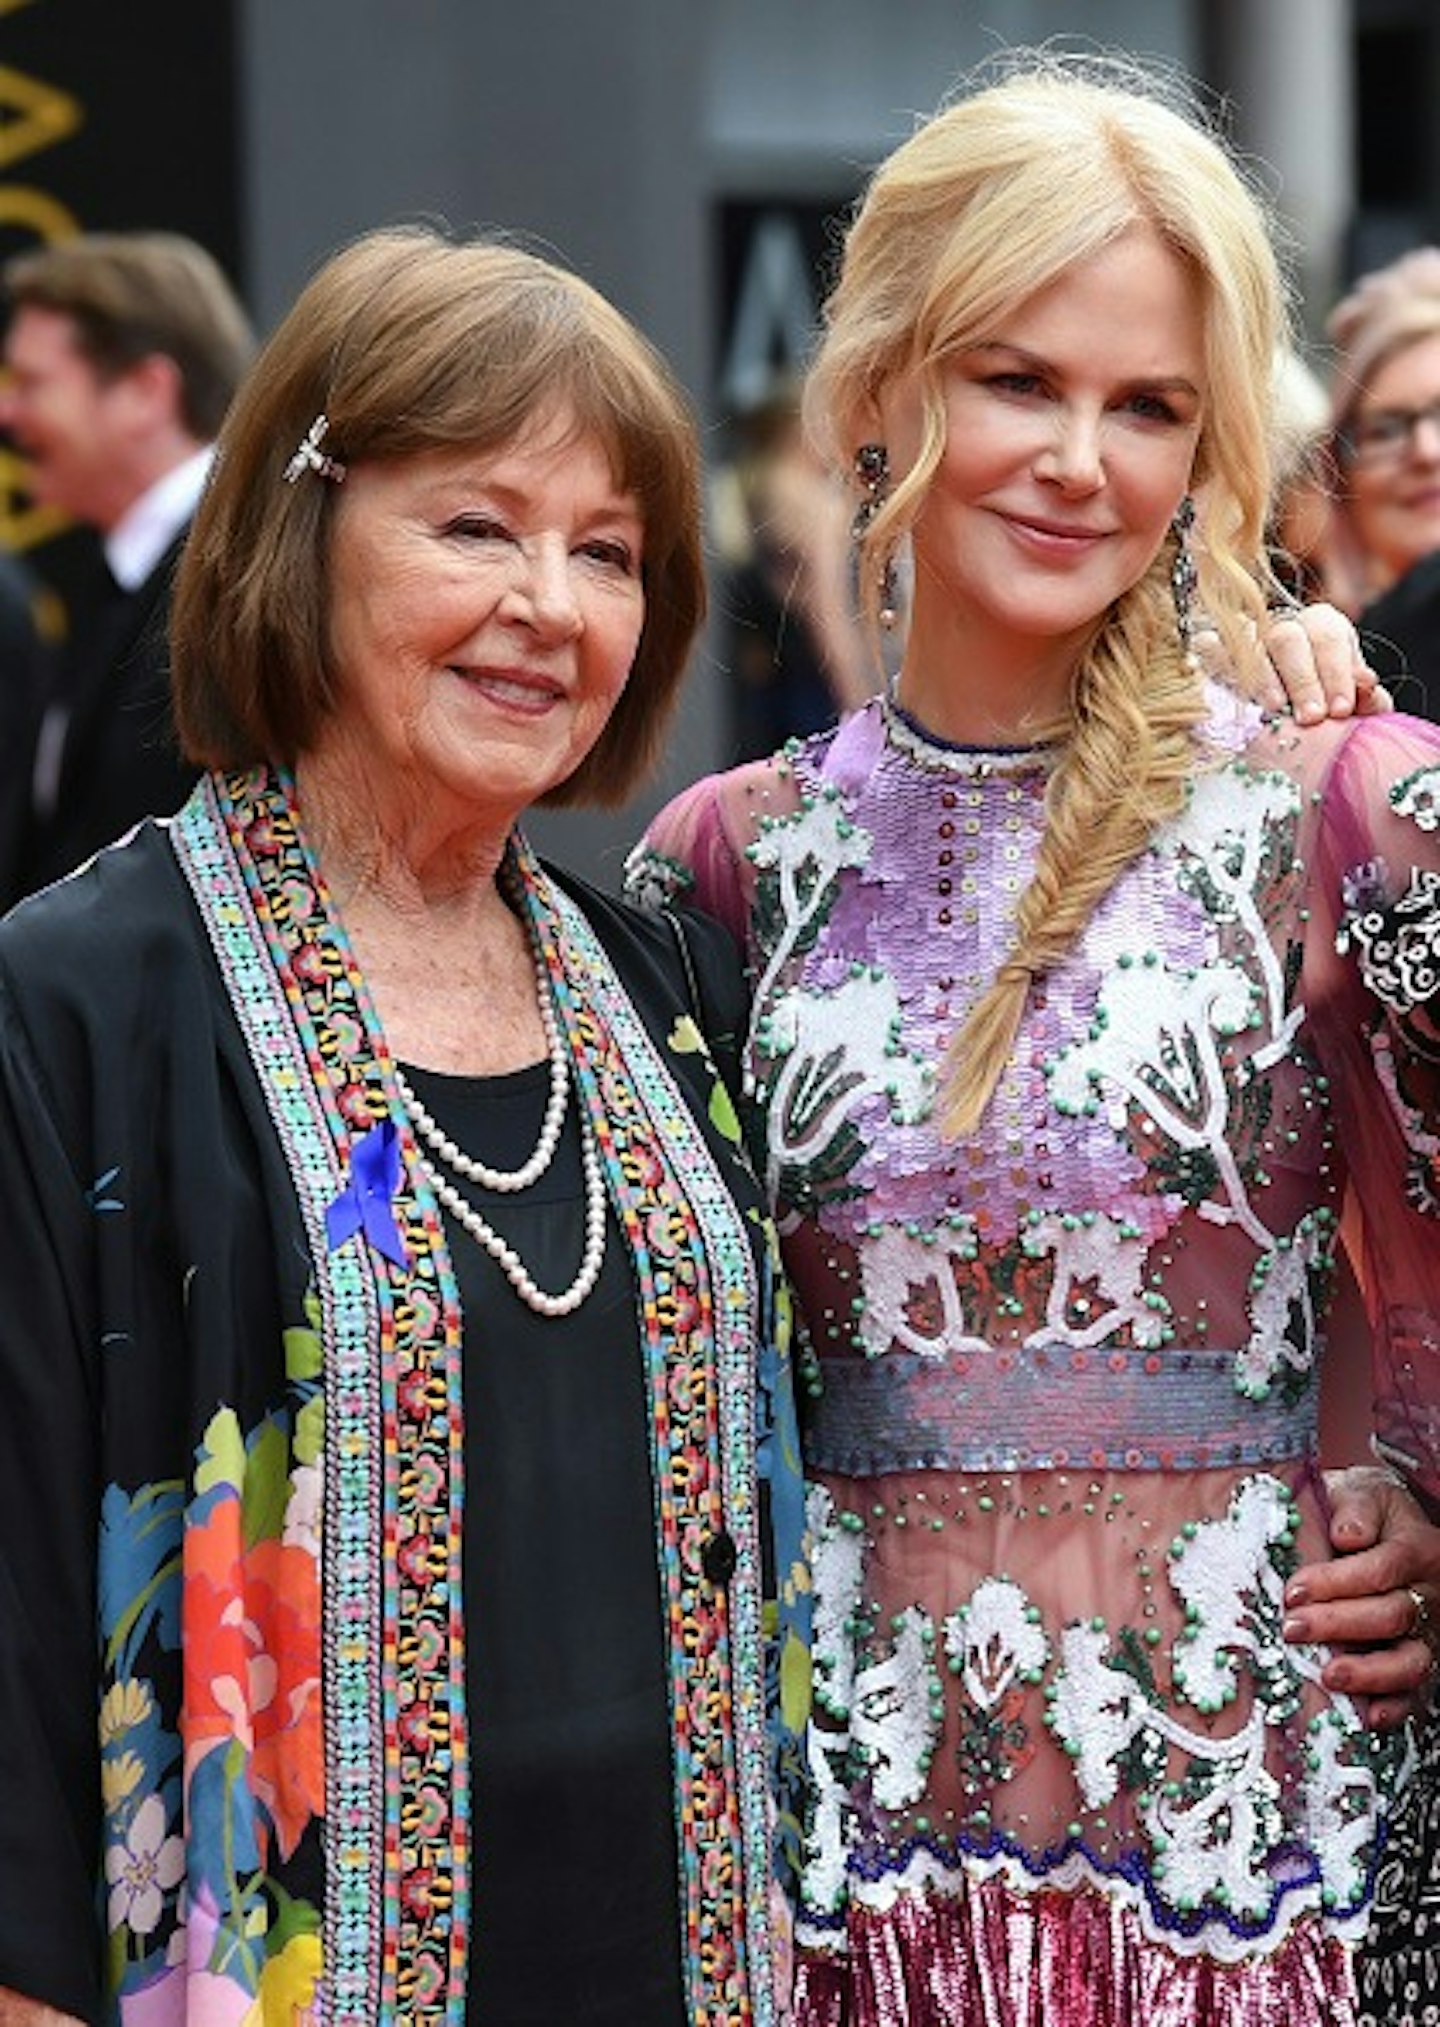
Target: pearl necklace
{"x": 592, "y": 1258}
{"x": 509, "y": 1180}
{"x": 504, "y": 1180}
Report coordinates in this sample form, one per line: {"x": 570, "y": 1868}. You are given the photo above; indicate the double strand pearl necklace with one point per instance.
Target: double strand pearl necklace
{"x": 509, "y": 1180}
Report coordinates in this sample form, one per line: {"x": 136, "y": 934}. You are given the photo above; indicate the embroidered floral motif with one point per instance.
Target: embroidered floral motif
{"x": 1023, "y": 1338}
{"x": 823, "y": 1051}
{"x": 1418, "y": 797}
{"x": 1287, "y": 1287}
{"x": 1234, "y": 851}
{"x": 997, "y": 1647}
{"x": 1398, "y": 946}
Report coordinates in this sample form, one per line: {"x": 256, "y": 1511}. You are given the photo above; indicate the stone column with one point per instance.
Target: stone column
{"x": 1288, "y": 68}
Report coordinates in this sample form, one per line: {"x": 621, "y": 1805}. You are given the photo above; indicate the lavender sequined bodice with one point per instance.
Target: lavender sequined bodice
{"x": 1069, "y": 1222}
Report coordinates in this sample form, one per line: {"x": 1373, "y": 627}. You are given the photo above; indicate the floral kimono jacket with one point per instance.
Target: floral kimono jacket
{"x": 235, "y": 1756}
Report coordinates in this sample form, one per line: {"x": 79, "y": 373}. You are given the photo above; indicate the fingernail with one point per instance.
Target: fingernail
{"x": 1295, "y": 1593}
{"x": 1295, "y": 1631}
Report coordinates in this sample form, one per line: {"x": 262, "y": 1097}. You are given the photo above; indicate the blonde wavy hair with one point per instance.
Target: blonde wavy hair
{"x": 1046, "y": 162}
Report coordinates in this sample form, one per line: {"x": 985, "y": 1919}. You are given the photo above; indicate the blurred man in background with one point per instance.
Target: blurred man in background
{"x": 122, "y": 350}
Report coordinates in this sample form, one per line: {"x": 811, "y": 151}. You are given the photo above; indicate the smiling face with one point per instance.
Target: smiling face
{"x": 1393, "y": 474}
{"x": 1070, "y": 437}
{"x": 486, "y": 610}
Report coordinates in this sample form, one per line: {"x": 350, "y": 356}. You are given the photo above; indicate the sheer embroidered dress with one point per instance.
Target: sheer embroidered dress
{"x": 1063, "y": 1374}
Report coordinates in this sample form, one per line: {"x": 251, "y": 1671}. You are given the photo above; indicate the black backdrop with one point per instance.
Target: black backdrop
{"x": 114, "y": 114}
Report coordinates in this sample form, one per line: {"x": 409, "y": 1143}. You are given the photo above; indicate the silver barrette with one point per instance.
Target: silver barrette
{"x": 310, "y": 458}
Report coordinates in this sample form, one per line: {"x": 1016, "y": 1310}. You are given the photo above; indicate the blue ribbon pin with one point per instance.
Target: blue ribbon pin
{"x": 364, "y": 1205}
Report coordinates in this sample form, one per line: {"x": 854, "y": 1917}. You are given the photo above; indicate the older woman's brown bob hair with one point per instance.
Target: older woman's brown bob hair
{"x": 409, "y": 341}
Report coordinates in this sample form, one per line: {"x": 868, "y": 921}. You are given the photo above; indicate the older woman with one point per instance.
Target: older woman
{"x": 1386, "y": 426}
{"x": 386, "y": 1294}
{"x": 1378, "y": 517}
{"x": 1082, "y": 988}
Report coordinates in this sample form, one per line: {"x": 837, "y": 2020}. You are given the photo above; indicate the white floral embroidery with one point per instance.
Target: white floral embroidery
{"x": 1211, "y": 1832}
{"x": 1283, "y": 1324}
{"x": 1098, "y": 1712}
{"x": 894, "y": 1726}
{"x": 653, "y": 881}
{"x": 1108, "y": 1253}
{"x": 1237, "y": 820}
{"x": 1424, "y": 1146}
{"x": 1153, "y": 1044}
{"x": 995, "y": 1641}
{"x": 805, "y": 852}
{"x": 836, "y": 1562}
{"x": 827, "y": 1815}
{"x": 1418, "y": 797}
{"x": 830, "y": 1050}
{"x": 1210, "y": 1846}
{"x": 897, "y": 1264}
{"x": 1226, "y": 1573}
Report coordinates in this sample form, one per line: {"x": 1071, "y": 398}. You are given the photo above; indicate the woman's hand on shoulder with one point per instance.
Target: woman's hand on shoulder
{"x": 1317, "y": 667}
{"x": 1377, "y": 1604}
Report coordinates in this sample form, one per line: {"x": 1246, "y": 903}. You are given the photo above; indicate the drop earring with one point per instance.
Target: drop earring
{"x": 1182, "y": 578}
{"x": 872, "y": 469}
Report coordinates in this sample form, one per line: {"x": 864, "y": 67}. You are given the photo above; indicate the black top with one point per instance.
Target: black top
{"x": 1400, "y": 634}
{"x": 575, "y": 1858}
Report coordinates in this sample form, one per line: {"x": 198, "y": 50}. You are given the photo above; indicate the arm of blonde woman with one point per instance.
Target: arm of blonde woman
{"x": 16, "y": 2011}
{"x": 1378, "y": 1603}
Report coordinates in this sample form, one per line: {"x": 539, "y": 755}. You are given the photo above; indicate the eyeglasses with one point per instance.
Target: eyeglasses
{"x": 1387, "y": 435}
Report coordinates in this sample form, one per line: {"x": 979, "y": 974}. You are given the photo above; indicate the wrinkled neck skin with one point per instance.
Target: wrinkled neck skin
{"x": 412, "y": 871}
{"x": 388, "y": 839}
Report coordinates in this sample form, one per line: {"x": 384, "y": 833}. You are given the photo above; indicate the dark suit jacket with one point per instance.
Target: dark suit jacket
{"x": 120, "y": 759}
{"x": 24, "y": 672}
{"x": 1400, "y": 633}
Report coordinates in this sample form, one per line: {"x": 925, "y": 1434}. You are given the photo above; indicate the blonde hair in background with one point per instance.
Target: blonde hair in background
{"x": 1047, "y": 161}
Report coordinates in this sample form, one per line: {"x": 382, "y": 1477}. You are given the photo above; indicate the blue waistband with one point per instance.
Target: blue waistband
{"x": 1049, "y": 1407}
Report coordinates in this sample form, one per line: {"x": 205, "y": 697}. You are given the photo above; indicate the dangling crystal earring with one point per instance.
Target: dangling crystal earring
{"x": 872, "y": 469}
{"x": 1182, "y": 578}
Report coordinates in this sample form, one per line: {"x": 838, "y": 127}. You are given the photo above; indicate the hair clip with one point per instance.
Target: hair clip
{"x": 310, "y": 458}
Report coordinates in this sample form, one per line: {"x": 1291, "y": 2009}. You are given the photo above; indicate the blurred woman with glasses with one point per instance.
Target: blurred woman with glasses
{"x": 1383, "y": 560}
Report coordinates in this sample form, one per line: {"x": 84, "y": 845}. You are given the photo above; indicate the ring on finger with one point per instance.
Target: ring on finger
{"x": 1422, "y": 1622}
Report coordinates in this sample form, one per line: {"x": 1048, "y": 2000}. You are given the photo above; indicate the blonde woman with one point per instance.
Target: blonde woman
{"x": 1082, "y": 989}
